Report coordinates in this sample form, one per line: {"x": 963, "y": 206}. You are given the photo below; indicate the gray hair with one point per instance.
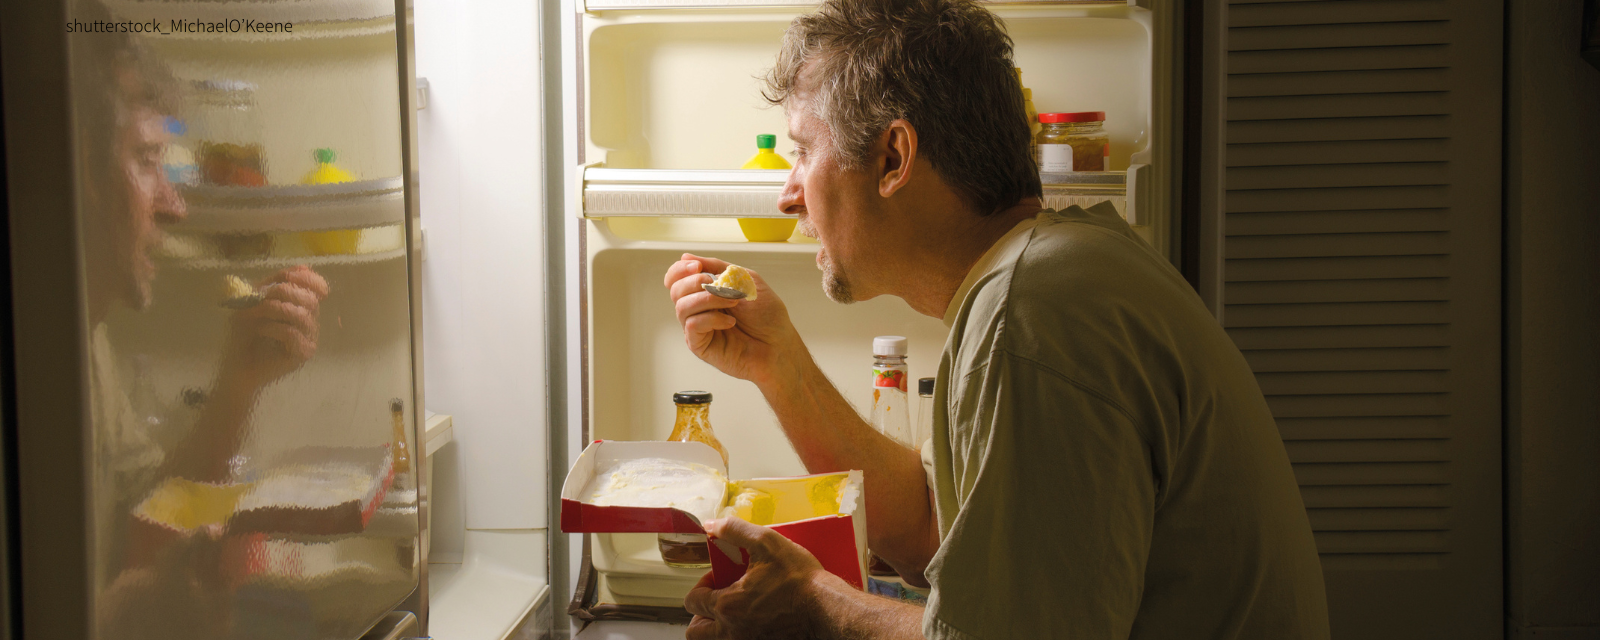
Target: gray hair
{"x": 942, "y": 65}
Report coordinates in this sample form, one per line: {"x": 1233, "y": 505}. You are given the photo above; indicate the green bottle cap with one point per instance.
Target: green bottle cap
{"x": 323, "y": 156}
{"x": 766, "y": 141}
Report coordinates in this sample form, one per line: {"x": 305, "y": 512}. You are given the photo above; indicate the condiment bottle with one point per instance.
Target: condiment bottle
{"x": 889, "y": 407}
{"x": 891, "y": 414}
{"x": 924, "y": 411}
{"x": 694, "y": 421}
{"x": 337, "y": 241}
{"x": 767, "y": 229}
{"x": 689, "y": 550}
{"x": 402, "y": 449}
{"x": 1073, "y": 142}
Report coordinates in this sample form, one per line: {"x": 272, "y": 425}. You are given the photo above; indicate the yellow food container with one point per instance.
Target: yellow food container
{"x": 767, "y": 229}
{"x": 337, "y": 242}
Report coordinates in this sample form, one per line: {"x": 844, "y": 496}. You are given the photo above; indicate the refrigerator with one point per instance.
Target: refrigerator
{"x": 662, "y": 104}
{"x": 310, "y": 196}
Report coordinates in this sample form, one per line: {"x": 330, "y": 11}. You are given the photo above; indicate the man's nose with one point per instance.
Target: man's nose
{"x": 793, "y": 198}
{"x": 170, "y": 207}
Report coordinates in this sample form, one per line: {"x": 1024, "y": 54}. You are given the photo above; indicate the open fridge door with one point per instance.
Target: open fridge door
{"x": 217, "y": 404}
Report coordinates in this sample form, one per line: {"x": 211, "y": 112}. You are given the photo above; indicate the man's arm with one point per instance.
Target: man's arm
{"x": 755, "y": 341}
{"x": 265, "y": 343}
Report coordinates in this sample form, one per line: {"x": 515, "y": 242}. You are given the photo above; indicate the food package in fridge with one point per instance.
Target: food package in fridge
{"x": 824, "y": 513}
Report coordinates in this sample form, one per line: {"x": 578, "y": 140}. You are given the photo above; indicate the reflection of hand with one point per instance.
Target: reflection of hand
{"x": 273, "y": 338}
{"x": 776, "y": 598}
{"x": 742, "y": 338}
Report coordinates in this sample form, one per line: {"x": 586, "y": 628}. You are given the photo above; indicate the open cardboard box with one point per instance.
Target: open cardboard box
{"x": 825, "y": 513}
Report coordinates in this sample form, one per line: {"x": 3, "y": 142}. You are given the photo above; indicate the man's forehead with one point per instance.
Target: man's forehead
{"x": 802, "y": 122}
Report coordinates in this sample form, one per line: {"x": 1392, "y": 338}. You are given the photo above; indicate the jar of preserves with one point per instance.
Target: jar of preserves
{"x": 1073, "y": 142}
{"x": 689, "y": 550}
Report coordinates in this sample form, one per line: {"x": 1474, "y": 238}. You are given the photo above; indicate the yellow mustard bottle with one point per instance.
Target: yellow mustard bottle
{"x": 767, "y": 229}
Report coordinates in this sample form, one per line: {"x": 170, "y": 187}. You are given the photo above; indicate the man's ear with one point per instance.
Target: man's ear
{"x": 898, "y": 146}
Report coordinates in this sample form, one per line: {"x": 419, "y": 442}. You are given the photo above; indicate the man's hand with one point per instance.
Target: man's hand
{"x": 277, "y": 336}
{"x": 785, "y": 593}
{"x": 742, "y": 338}
{"x": 774, "y": 599}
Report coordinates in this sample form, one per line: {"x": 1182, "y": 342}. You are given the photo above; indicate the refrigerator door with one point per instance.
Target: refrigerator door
{"x": 214, "y": 367}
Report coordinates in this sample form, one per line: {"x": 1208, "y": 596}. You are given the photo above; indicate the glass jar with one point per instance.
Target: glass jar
{"x": 689, "y": 550}
{"x": 1073, "y": 142}
{"x": 227, "y": 133}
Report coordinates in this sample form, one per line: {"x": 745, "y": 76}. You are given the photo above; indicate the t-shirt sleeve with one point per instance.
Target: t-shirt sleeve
{"x": 1054, "y": 530}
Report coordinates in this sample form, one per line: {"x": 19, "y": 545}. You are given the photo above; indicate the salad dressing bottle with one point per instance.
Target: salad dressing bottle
{"x": 689, "y": 550}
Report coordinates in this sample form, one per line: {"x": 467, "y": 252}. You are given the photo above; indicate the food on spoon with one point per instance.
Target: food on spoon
{"x": 739, "y": 279}
{"x": 237, "y": 287}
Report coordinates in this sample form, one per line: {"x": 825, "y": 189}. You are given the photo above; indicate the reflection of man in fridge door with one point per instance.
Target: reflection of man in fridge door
{"x": 1104, "y": 464}
{"x": 166, "y": 586}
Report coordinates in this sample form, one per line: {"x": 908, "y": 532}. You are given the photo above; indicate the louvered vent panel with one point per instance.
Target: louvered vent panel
{"x": 1361, "y": 283}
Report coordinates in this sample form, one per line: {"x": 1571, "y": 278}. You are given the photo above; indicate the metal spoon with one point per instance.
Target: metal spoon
{"x": 723, "y": 292}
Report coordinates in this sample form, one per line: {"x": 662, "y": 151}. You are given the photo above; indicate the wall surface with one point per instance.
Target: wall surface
{"x": 1552, "y": 315}
{"x": 483, "y": 281}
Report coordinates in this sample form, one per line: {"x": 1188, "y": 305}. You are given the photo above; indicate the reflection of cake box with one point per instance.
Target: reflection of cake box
{"x": 824, "y": 513}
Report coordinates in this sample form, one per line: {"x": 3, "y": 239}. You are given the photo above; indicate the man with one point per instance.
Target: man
{"x": 175, "y": 590}
{"x": 1104, "y": 466}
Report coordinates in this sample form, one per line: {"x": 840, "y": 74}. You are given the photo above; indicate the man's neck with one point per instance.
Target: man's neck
{"x": 945, "y": 262}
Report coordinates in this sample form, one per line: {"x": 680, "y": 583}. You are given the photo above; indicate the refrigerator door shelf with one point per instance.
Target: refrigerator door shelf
{"x": 611, "y": 193}
{"x": 345, "y": 205}
{"x": 345, "y": 18}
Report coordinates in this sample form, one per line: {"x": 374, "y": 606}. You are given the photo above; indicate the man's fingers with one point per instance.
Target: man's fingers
{"x": 708, "y": 322}
{"x": 294, "y": 315}
{"x": 302, "y": 276}
{"x": 294, "y": 295}
{"x": 702, "y": 599}
{"x": 697, "y": 303}
{"x": 756, "y": 539}
{"x": 702, "y": 628}
{"x": 707, "y": 265}
{"x": 680, "y": 270}
{"x": 689, "y": 285}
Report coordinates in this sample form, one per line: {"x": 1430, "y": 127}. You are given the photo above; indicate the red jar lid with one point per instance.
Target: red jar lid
{"x": 1081, "y": 116}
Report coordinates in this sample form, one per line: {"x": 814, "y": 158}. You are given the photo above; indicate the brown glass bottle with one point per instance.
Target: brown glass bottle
{"x": 689, "y": 550}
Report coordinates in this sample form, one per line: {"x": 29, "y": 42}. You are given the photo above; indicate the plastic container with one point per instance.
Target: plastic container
{"x": 338, "y": 241}
{"x": 226, "y": 133}
{"x": 1070, "y": 142}
{"x": 767, "y": 229}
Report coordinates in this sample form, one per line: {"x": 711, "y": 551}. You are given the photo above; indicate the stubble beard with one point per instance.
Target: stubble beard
{"x": 834, "y": 283}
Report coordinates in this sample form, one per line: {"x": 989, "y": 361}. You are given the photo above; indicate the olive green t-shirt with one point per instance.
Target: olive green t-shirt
{"x": 1106, "y": 466}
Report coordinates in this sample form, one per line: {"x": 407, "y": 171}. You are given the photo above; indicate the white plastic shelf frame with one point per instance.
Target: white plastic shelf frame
{"x": 613, "y": 193}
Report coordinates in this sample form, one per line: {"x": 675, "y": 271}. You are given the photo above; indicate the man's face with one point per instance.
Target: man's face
{"x": 834, "y": 205}
{"x": 150, "y": 201}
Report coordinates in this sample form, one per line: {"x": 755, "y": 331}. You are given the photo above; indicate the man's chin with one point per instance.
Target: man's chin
{"x": 836, "y": 287}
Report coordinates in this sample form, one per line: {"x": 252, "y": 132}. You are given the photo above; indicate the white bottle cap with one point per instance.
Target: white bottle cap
{"x": 889, "y": 346}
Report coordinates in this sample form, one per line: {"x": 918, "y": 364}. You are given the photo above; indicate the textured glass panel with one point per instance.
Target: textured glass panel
{"x": 241, "y": 218}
